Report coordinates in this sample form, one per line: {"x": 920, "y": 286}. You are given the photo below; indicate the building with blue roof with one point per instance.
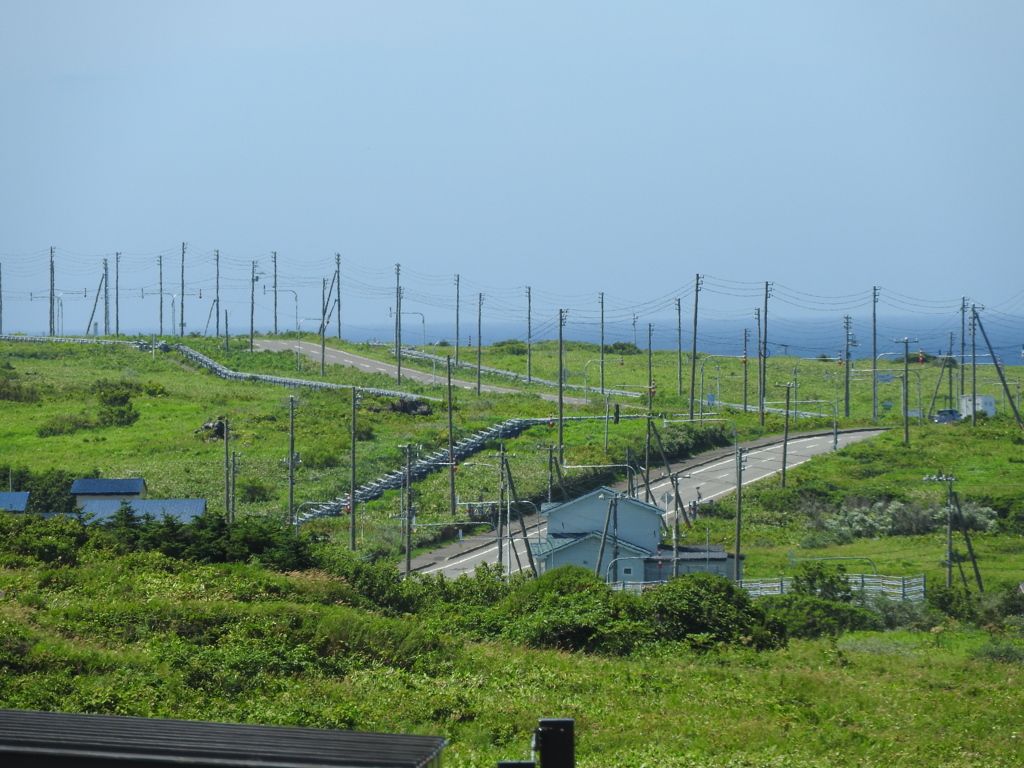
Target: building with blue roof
{"x": 183, "y": 510}
{"x": 86, "y": 488}
{"x": 14, "y": 501}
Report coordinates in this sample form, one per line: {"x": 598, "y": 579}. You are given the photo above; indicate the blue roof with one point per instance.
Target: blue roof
{"x": 185, "y": 510}
{"x": 98, "y": 486}
{"x": 13, "y": 501}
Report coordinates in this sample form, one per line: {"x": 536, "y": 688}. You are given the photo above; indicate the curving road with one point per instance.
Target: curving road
{"x": 707, "y": 478}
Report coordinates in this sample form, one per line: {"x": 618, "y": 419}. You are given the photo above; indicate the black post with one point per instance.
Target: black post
{"x": 556, "y": 742}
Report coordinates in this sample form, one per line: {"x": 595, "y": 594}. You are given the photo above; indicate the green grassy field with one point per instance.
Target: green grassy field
{"x": 143, "y": 634}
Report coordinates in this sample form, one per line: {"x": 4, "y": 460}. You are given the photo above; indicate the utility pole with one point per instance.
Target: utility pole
{"x": 847, "y": 324}
{"x": 252, "y": 305}
{"x": 600, "y": 302}
{"x": 291, "y": 461}
{"x": 976, "y": 320}
{"x": 740, "y": 461}
{"x": 949, "y": 480}
{"x": 398, "y": 320}
{"x": 227, "y": 469}
{"x": 181, "y": 304}
{"x": 52, "y": 292}
{"x": 337, "y": 281}
{"x": 456, "y": 321}
{"x": 561, "y": 385}
{"x": 408, "y": 509}
{"x": 760, "y": 393}
{"x": 479, "y": 341}
{"x": 764, "y": 350}
{"x": 106, "y": 300}
{"x": 963, "y": 340}
{"x": 273, "y": 259}
{"x": 650, "y": 369}
{"x": 352, "y": 477}
{"x": 160, "y": 273}
{"x": 117, "y": 294}
{"x": 974, "y": 369}
{"x": 529, "y": 337}
{"x": 906, "y": 386}
{"x": 746, "y": 334}
{"x": 679, "y": 349}
{"x": 216, "y": 289}
{"x": 874, "y": 353}
{"x": 693, "y": 343}
{"x": 451, "y": 442}
{"x": 785, "y": 431}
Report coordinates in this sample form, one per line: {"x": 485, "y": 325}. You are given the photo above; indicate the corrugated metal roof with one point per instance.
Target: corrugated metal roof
{"x": 51, "y": 739}
{"x": 100, "y": 485}
{"x": 183, "y": 509}
{"x": 558, "y": 541}
{"x": 13, "y": 501}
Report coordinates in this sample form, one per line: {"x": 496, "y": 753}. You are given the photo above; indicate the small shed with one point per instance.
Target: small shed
{"x": 86, "y": 488}
{"x": 13, "y": 501}
{"x": 53, "y": 739}
{"x": 184, "y": 510}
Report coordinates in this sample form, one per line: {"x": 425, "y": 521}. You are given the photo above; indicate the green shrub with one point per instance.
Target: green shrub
{"x": 65, "y": 424}
{"x": 369, "y": 639}
{"x": 568, "y": 608}
{"x": 703, "y": 610}
{"x": 820, "y": 580}
{"x": 954, "y": 602}
{"x": 807, "y": 616}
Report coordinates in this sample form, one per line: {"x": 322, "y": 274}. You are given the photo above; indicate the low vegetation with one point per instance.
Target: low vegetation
{"x": 247, "y": 622}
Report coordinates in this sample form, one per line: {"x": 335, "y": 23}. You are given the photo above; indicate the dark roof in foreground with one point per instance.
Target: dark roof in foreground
{"x": 100, "y": 485}
{"x": 183, "y": 509}
{"x": 13, "y": 501}
{"x": 44, "y": 739}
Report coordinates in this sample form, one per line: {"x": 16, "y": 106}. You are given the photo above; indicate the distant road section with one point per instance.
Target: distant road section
{"x": 369, "y": 365}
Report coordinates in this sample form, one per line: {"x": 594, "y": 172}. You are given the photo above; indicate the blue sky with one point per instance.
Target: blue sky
{"x": 574, "y": 147}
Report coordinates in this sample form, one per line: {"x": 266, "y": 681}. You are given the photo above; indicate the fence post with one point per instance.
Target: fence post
{"x": 556, "y": 742}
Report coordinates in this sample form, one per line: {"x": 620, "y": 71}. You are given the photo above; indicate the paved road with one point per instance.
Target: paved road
{"x": 712, "y": 475}
{"x": 369, "y": 365}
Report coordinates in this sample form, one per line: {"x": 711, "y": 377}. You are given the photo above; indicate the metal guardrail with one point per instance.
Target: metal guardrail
{"x": 224, "y": 372}
{"x": 69, "y": 340}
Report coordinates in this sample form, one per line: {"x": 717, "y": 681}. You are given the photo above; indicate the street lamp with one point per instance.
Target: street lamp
{"x": 423, "y": 321}
{"x": 586, "y": 391}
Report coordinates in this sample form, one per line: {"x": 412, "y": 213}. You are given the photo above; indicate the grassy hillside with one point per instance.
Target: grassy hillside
{"x": 138, "y": 619}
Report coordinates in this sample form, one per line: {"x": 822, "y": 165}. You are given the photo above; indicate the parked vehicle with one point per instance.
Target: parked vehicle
{"x": 946, "y": 415}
